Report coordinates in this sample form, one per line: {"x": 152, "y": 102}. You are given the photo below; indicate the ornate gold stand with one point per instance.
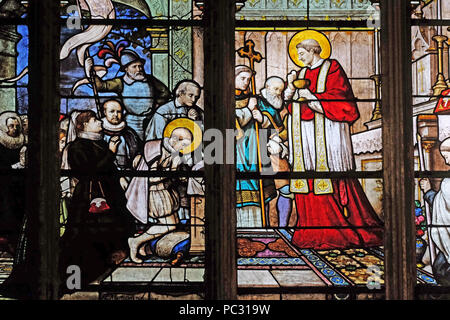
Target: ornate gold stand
{"x": 377, "y": 110}
{"x": 440, "y": 84}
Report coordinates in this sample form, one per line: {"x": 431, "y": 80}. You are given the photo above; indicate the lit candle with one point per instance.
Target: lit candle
{"x": 439, "y": 15}
{"x": 377, "y": 58}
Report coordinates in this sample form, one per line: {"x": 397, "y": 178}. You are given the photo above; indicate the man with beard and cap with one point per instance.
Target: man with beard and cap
{"x": 12, "y": 156}
{"x": 115, "y": 125}
{"x": 273, "y": 109}
{"x": 141, "y": 93}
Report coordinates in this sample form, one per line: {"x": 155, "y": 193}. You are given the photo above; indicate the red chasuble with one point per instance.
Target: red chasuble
{"x": 336, "y": 219}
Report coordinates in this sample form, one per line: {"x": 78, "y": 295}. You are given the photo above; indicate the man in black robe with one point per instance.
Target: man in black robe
{"x": 95, "y": 240}
{"x": 12, "y": 156}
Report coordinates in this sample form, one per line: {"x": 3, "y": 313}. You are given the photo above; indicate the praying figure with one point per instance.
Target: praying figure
{"x": 248, "y": 116}
{"x": 272, "y": 106}
{"x": 156, "y": 198}
{"x": 96, "y": 232}
{"x": 439, "y": 202}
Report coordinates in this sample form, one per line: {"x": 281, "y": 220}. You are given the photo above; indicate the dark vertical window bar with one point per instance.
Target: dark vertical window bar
{"x": 43, "y": 162}
{"x": 221, "y": 282}
{"x": 398, "y": 171}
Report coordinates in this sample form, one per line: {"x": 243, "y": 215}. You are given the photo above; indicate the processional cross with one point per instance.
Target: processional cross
{"x": 248, "y": 51}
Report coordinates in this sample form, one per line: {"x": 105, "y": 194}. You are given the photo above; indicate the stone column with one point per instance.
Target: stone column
{"x": 8, "y": 55}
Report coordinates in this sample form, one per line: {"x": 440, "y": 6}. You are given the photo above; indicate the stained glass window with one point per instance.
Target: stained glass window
{"x": 14, "y": 104}
{"x": 131, "y": 119}
{"x": 135, "y": 146}
{"x": 311, "y": 229}
{"x": 430, "y": 132}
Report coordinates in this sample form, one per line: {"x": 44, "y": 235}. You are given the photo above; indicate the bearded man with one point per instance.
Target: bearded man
{"x": 141, "y": 93}
{"x": 114, "y": 125}
{"x": 12, "y": 156}
{"x": 272, "y": 106}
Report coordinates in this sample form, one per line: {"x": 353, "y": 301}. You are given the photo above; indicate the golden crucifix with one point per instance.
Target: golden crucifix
{"x": 248, "y": 51}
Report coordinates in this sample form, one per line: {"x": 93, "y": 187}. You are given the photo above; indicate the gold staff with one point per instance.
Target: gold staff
{"x": 248, "y": 51}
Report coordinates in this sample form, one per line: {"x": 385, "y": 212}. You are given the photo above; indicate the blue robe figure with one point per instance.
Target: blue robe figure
{"x": 248, "y": 198}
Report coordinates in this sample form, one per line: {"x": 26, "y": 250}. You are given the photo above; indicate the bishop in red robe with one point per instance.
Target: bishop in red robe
{"x": 332, "y": 213}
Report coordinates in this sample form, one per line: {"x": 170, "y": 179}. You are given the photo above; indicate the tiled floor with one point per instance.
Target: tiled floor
{"x": 265, "y": 259}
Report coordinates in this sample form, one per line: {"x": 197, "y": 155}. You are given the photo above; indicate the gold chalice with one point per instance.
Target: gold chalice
{"x": 302, "y": 84}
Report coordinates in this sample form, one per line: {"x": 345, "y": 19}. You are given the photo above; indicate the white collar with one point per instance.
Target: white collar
{"x": 90, "y": 135}
{"x": 317, "y": 64}
{"x": 113, "y": 127}
{"x": 11, "y": 142}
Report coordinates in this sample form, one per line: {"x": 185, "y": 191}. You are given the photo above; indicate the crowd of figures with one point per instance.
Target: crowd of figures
{"x": 107, "y": 216}
{"x": 308, "y": 116}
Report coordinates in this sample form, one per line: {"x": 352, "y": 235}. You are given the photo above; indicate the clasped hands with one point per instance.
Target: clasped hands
{"x": 256, "y": 114}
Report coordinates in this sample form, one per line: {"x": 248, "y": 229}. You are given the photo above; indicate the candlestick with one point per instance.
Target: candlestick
{"x": 440, "y": 84}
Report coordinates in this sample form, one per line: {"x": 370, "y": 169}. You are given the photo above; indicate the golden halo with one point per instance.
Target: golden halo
{"x": 189, "y": 124}
{"x": 309, "y": 34}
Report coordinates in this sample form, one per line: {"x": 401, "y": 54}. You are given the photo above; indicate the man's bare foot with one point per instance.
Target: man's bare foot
{"x": 142, "y": 251}
{"x": 133, "y": 250}
{"x": 177, "y": 260}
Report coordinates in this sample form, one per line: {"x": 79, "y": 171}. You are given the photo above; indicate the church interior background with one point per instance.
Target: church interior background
{"x": 266, "y": 257}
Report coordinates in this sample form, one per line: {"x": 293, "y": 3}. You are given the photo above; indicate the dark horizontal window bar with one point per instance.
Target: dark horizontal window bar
{"x": 431, "y": 174}
{"x": 201, "y": 174}
{"x": 239, "y": 23}
{"x": 302, "y": 23}
{"x": 288, "y": 101}
{"x": 311, "y": 289}
{"x": 14, "y": 21}
{"x": 432, "y": 225}
{"x": 431, "y": 288}
{"x": 337, "y": 100}
{"x": 138, "y": 22}
{"x": 12, "y": 86}
{"x": 311, "y": 175}
{"x": 132, "y": 173}
{"x": 428, "y": 96}
{"x": 430, "y": 22}
{"x": 316, "y": 227}
{"x": 83, "y": 225}
{"x": 169, "y": 287}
